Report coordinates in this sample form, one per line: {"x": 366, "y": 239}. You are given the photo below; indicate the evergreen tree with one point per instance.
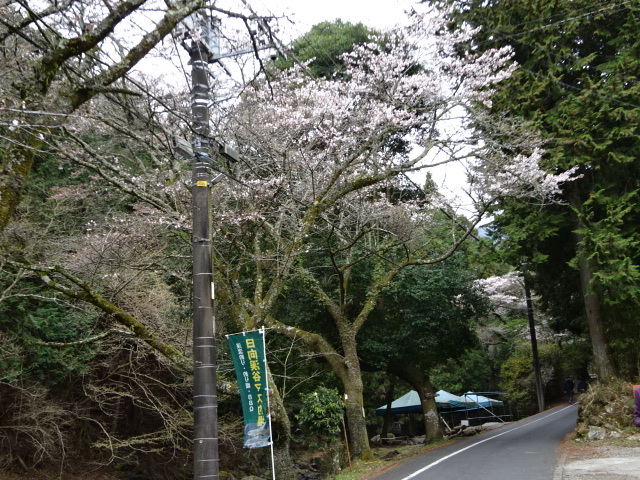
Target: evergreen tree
{"x": 576, "y": 86}
{"x": 323, "y": 45}
{"x": 424, "y": 318}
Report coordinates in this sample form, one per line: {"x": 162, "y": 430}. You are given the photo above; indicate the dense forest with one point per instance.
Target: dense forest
{"x": 327, "y": 229}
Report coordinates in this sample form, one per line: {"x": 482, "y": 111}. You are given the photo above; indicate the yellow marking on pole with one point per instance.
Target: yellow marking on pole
{"x": 201, "y": 183}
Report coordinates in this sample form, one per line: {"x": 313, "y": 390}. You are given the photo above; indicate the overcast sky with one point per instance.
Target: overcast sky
{"x": 380, "y": 14}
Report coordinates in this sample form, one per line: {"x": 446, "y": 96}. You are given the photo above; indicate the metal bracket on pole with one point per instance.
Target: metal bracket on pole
{"x": 217, "y": 179}
{"x": 201, "y": 31}
{"x": 183, "y": 148}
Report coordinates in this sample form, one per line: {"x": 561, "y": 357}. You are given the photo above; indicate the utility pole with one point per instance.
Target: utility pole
{"x": 201, "y": 42}
{"x": 534, "y": 343}
{"x": 200, "y": 34}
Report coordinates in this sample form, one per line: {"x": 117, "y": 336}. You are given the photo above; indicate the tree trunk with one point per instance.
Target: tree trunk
{"x": 387, "y": 414}
{"x": 347, "y": 369}
{"x": 432, "y": 425}
{"x": 282, "y": 462}
{"x": 420, "y": 382}
{"x": 602, "y": 361}
{"x": 354, "y": 402}
{"x": 281, "y": 435}
{"x": 15, "y": 165}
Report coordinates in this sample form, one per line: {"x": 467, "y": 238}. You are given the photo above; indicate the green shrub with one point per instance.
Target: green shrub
{"x": 321, "y": 414}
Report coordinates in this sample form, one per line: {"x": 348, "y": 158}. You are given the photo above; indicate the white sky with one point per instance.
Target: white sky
{"x": 379, "y": 14}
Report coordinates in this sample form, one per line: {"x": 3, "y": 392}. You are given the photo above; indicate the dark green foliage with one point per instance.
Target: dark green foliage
{"x": 556, "y": 363}
{"x": 297, "y": 306}
{"x": 473, "y": 371}
{"x": 27, "y": 325}
{"x": 63, "y": 200}
{"x": 577, "y": 86}
{"x": 321, "y": 414}
{"x": 543, "y": 236}
{"x": 425, "y": 317}
{"x": 518, "y": 381}
{"x": 324, "y": 43}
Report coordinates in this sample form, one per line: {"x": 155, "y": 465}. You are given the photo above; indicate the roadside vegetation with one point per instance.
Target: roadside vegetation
{"x": 330, "y": 231}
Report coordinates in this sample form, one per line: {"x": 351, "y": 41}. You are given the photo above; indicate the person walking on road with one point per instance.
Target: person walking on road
{"x": 582, "y": 386}
{"x": 568, "y": 389}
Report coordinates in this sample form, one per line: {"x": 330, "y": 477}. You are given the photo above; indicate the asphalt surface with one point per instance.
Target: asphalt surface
{"x": 527, "y": 449}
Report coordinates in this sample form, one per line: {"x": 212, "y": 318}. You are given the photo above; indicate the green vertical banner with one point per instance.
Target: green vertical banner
{"x": 248, "y": 353}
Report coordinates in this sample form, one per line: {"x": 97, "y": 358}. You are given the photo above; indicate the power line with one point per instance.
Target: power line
{"x": 560, "y": 22}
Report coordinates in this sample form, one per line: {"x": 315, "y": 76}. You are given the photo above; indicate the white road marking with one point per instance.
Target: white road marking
{"x": 424, "y": 469}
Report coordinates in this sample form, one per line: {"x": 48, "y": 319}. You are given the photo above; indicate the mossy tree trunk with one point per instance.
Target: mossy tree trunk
{"x": 354, "y": 401}
{"x": 419, "y": 381}
{"x": 347, "y": 368}
{"x": 281, "y": 435}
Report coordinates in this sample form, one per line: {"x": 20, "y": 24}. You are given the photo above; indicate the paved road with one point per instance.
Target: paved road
{"x": 519, "y": 450}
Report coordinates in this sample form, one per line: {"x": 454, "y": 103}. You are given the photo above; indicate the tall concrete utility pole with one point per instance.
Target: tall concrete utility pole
{"x": 200, "y": 35}
{"x": 202, "y": 45}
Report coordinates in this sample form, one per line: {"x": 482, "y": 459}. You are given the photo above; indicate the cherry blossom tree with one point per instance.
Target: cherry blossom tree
{"x": 505, "y": 294}
{"x": 70, "y": 100}
{"x": 322, "y": 164}
{"x": 320, "y": 160}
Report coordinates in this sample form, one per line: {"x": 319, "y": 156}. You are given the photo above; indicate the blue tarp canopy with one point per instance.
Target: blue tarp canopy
{"x": 449, "y": 400}
{"x": 410, "y": 403}
{"x": 482, "y": 400}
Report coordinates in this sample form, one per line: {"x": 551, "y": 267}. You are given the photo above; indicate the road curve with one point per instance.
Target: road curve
{"x": 520, "y": 450}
